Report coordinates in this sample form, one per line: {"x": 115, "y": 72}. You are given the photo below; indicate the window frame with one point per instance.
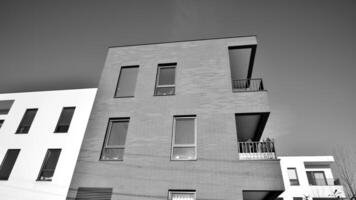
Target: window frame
{"x": 4, "y": 159}
{"x": 60, "y": 117}
{"x": 118, "y": 81}
{"x": 184, "y": 145}
{"x": 45, "y": 161}
{"x": 23, "y": 118}
{"x": 166, "y": 66}
{"x": 107, "y": 136}
{"x": 296, "y": 174}
{"x": 170, "y": 192}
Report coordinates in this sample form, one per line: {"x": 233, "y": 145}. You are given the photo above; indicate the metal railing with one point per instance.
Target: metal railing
{"x": 251, "y": 85}
{"x": 323, "y": 181}
{"x": 257, "y": 150}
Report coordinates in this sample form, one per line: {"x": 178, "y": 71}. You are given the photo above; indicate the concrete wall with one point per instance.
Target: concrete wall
{"x": 304, "y": 189}
{"x": 203, "y": 88}
{"x": 22, "y": 184}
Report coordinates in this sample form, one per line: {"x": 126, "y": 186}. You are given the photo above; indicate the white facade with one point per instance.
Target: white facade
{"x": 320, "y": 184}
{"x": 22, "y": 183}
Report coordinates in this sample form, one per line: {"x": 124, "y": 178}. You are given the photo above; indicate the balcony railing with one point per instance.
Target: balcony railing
{"x": 257, "y": 150}
{"x": 247, "y": 85}
{"x": 324, "y": 182}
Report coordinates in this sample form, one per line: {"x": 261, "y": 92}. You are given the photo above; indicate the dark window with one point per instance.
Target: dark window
{"x": 8, "y": 163}
{"x": 49, "y": 165}
{"x": 91, "y": 193}
{"x": 297, "y": 198}
{"x": 184, "y": 138}
{"x": 181, "y": 195}
{"x": 1, "y": 123}
{"x": 114, "y": 144}
{"x": 165, "y": 81}
{"x": 293, "y": 176}
{"x": 316, "y": 178}
{"x": 127, "y": 82}
{"x": 26, "y": 121}
{"x": 5, "y": 106}
{"x": 64, "y": 120}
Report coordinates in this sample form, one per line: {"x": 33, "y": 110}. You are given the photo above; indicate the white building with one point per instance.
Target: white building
{"x": 309, "y": 178}
{"x": 40, "y": 138}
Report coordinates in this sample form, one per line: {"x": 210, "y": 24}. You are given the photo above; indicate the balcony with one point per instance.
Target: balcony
{"x": 257, "y": 150}
{"x": 247, "y": 85}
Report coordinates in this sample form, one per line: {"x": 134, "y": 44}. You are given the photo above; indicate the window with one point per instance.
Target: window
{"x": 165, "y": 81}
{"x": 114, "y": 144}
{"x": 64, "y": 120}
{"x": 87, "y": 193}
{"x": 1, "y": 123}
{"x": 182, "y": 195}
{"x": 127, "y": 82}
{"x": 316, "y": 178}
{"x": 49, "y": 165}
{"x": 5, "y": 106}
{"x": 184, "y": 138}
{"x": 8, "y": 163}
{"x": 26, "y": 121}
{"x": 293, "y": 177}
{"x": 297, "y": 198}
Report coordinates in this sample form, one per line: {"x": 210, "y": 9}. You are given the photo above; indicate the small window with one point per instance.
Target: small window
{"x": 182, "y": 195}
{"x": 94, "y": 193}
{"x": 26, "y": 121}
{"x": 316, "y": 178}
{"x": 297, "y": 198}
{"x": 8, "y": 163}
{"x": 1, "y": 123}
{"x": 184, "y": 138}
{"x": 49, "y": 165}
{"x": 126, "y": 84}
{"x": 5, "y": 106}
{"x": 64, "y": 120}
{"x": 165, "y": 81}
{"x": 293, "y": 177}
{"x": 114, "y": 145}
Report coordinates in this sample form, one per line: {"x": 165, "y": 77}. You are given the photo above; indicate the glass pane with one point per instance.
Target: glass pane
{"x": 239, "y": 62}
{"x": 166, "y": 76}
{"x": 184, "y": 131}
{"x": 118, "y": 133}
{"x": 127, "y": 82}
{"x": 182, "y": 196}
{"x": 183, "y": 153}
{"x": 292, "y": 174}
{"x": 320, "y": 178}
{"x": 162, "y": 91}
{"x": 8, "y": 163}
{"x": 113, "y": 154}
{"x": 51, "y": 159}
{"x": 66, "y": 116}
{"x": 26, "y": 121}
{"x": 1, "y": 122}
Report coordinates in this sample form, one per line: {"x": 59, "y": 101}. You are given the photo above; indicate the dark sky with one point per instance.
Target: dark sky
{"x": 306, "y": 53}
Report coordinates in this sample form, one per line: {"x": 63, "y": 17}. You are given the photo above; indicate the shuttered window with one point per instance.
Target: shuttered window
{"x": 8, "y": 163}
{"x": 64, "y": 120}
{"x": 92, "y": 193}
{"x": 26, "y": 121}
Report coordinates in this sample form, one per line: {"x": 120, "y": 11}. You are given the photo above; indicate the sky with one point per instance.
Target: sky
{"x": 305, "y": 55}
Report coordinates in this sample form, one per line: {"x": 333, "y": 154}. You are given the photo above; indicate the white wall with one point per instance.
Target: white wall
{"x": 22, "y": 184}
{"x": 304, "y": 189}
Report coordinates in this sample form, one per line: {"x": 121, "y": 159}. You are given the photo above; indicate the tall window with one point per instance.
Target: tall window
{"x": 293, "y": 177}
{"x": 1, "y": 123}
{"x": 165, "y": 81}
{"x": 127, "y": 82}
{"x": 8, "y": 163}
{"x": 316, "y": 178}
{"x": 64, "y": 120}
{"x": 182, "y": 195}
{"x": 49, "y": 165}
{"x": 114, "y": 144}
{"x": 184, "y": 138}
{"x": 26, "y": 121}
